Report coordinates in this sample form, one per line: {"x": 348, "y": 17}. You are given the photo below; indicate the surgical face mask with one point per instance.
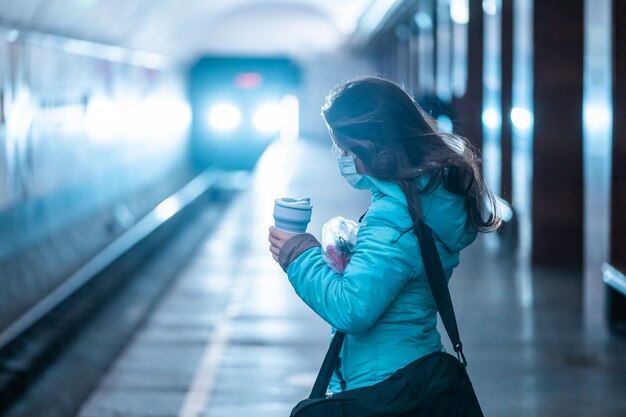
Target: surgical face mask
{"x": 347, "y": 168}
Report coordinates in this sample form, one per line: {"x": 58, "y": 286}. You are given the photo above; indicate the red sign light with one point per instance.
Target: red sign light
{"x": 248, "y": 80}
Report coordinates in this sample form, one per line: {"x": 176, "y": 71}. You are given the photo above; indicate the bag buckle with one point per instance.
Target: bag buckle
{"x": 458, "y": 348}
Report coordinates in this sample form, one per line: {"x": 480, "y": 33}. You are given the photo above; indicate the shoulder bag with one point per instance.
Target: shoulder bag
{"x": 434, "y": 385}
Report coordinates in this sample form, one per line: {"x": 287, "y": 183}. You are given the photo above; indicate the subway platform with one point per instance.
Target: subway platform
{"x": 231, "y": 338}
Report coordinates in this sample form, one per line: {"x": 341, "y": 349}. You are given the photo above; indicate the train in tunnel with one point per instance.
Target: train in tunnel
{"x": 239, "y": 106}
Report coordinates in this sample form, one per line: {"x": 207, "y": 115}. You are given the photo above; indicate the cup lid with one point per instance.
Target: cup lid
{"x": 294, "y": 202}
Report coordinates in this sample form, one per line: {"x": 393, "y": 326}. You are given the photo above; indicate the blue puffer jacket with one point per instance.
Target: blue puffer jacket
{"x": 383, "y": 301}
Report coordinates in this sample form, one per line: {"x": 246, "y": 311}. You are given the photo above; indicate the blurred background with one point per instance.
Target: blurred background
{"x": 110, "y": 108}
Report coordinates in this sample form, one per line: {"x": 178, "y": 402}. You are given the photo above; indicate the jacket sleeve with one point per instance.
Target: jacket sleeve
{"x": 377, "y": 271}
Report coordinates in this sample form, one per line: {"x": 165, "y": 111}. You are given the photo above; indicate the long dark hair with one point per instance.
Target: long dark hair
{"x": 396, "y": 140}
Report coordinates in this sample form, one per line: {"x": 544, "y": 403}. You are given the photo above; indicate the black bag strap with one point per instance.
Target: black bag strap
{"x": 439, "y": 286}
{"x": 326, "y": 371}
{"x": 441, "y": 294}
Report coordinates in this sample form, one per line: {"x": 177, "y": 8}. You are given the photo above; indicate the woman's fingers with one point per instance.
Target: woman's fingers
{"x": 275, "y": 241}
{"x": 279, "y": 235}
{"x": 274, "y": 250}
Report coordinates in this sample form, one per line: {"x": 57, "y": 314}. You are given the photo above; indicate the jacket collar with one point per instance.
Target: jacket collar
{"x": 381, "y": 188}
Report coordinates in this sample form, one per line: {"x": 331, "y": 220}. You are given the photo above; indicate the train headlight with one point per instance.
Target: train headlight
{"x": 224, "y": 117}
{"x": 268, "y": 118}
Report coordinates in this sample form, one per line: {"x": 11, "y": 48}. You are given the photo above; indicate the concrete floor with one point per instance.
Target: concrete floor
{"x": 233, "y": 339}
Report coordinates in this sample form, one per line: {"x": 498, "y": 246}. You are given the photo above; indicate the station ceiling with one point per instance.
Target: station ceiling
{"x": 186, "y": 29}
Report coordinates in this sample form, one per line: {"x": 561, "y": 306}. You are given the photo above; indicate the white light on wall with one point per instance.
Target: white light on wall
{"x": 459, "y": 11}
{"x": 102, "y": 119}
{"x": 521, "y": 118}
{"x": 597, "y": 116}
{"x": 130, "y": 117}
{"x": 491, "y": 118}
{"x": 423, "y": 20}
{"x": 490, "y": 7}
{"x": 224, "y": 117}
{"x": 107, "y": 120}
{"x": 164, "y": 116}
{"x": 21, "y": 115}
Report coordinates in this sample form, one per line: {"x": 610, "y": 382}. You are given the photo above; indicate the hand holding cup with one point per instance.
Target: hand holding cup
{"x": 291, "y": 217}
{"x": 277, "y": 239}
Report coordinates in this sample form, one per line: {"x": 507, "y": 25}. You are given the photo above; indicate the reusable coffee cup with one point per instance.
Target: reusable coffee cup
{"x": 292, "y": 215}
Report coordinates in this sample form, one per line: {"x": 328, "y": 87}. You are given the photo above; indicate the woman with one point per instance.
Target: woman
{"x": 383, "y": 301}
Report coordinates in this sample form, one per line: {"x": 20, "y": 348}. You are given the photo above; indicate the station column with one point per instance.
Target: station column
{"x": 506, "y": 139}
{"x": 469, "y": 108}
{"x": 557, "y": 187}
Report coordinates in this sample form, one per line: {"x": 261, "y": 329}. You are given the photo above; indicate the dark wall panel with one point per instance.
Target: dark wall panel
{"x": 468, "y": 109}
{"x": 507, "y": 99}
{"x": 618, "y": 208}
{"x": 616, "y": 302}
{"x": 557, "y": 211}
